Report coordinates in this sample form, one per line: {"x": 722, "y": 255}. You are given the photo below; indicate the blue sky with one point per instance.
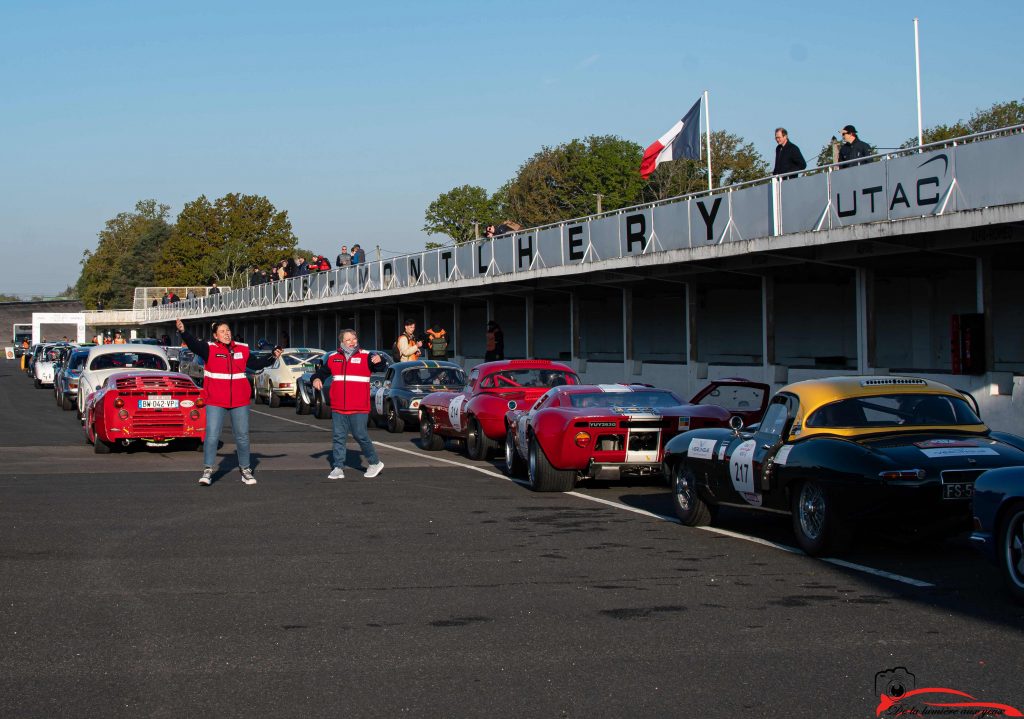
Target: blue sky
{"x": 354, "y": 117}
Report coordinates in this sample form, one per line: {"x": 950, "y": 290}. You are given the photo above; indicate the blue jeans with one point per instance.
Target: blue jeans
{"x": 356, "y": 424}
{"x": 239, "y": 425}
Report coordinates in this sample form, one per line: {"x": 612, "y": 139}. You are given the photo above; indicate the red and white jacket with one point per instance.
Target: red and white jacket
{"x": 224, "y": 381}
{"x": 350, "y": 388}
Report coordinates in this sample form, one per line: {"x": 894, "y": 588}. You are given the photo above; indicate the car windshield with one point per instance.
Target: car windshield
{"x": 623, "y": 400}
{"x": 894, "y": 410}
{"x": 515, "y": 378}
{"x": 299, "y": 358}
{"x": 434, "y": 376}
{"x": 128, "y": 360}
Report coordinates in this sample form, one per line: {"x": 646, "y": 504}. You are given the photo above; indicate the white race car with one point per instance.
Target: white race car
{"x": 279, "y": 380}
{"x": 105, "y": 360}
{"x": 44, "y": 366}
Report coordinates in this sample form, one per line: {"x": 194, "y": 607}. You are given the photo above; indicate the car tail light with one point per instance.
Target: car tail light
{"x": 285, "y": 385}
{"x": 200, "y": 402}
{"x": 902, "y": 474}
{"x": 118, "y": 402}
{"x": 123, "y": 414}
{"x": 72, "y": 385}
{"x": 194, "y": 414}
{"x": 582, "y": 439}
{"x": 977, "y": 524}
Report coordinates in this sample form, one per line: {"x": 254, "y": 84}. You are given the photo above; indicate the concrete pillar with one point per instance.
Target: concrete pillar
{"x": 983, "y": 284}
{"x": 627, "y": 333}
{"x": 574, "y": 330}
{"x": 767, "y": 320}
{"x": 528, "y": 317}
{"x": 691, "y": 322}
{"x": 865, "y": 320}
{"x": 456, "y": 339}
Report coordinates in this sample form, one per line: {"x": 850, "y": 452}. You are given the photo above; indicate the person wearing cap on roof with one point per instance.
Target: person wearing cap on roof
{"x": 853, "y": 147}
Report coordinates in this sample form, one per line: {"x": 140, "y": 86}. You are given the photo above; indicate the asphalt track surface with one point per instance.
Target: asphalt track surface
{"x": 441, "y": 589}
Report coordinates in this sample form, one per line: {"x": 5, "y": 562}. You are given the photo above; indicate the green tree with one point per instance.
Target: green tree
{"x": 733, "y": 160}
{"x": 4, "y": 297}
{"x": 559, "y": 183}
{"x": 220, "y": 241}
{"x": 1000, "y": 114}
{"x": 124, "y": 257}
{"x": 454, "y": 212}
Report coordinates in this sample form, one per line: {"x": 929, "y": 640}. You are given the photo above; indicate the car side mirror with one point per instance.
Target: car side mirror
{"x": 736, "y": 422}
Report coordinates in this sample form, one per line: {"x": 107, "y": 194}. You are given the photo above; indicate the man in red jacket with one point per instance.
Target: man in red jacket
{"x": 349, "y": 368}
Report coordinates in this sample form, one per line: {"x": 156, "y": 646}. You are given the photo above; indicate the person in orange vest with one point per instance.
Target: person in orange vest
{"x": 226, "y": 391}
{"x": 119, "y": 340}
{"x": 437, "y": 342}
{"x": 407, "y": 344}
{"x": 107, "y": 340}
{"x": 349, "y": 368}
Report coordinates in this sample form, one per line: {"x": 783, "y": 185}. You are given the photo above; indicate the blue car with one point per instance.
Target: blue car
{"x": 999, "y": 523}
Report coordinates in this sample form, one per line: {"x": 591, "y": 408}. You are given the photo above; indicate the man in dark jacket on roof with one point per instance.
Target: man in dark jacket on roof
{"x": 787, "y": 155}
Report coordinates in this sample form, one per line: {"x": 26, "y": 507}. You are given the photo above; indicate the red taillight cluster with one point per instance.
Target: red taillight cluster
{"x": 910, "y": 474}
{"x": 200, "y": 402}
{"x": 118, "y": 402}
{"x": 123, "y": 414}
{"x": 194, "y": 414}
{"x": 582, "y": 439}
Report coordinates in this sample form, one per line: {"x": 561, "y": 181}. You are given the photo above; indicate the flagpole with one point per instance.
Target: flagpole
{"x": 917, "y": 62}
{"x": 707, "y": 125}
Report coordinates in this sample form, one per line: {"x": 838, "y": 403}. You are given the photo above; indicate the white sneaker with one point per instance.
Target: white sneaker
{"x": 374, "y": 469}
{"x": 336, "y": 473}
{"x": 207, "y": 477}
{"x": 247, "y": 477}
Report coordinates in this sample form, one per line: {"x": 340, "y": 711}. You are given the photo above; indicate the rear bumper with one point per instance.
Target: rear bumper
{"x": 617, "y": 470}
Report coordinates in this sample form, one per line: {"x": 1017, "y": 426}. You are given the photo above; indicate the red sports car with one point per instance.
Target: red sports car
{"x": 154, "y": 407}
{"x": 477, "y": 414}
{"x": 603, "y": 431}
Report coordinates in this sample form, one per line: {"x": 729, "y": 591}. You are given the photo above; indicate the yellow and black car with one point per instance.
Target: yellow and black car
{"x": 843, "y": 455}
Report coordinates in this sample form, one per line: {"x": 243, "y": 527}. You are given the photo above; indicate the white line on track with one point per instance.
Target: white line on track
{"x": 653, "y": 515}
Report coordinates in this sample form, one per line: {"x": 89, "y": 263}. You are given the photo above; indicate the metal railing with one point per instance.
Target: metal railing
{"x": 974, "y": 171}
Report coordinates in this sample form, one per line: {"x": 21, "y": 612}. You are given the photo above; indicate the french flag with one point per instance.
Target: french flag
{"x": 683, "y": 140}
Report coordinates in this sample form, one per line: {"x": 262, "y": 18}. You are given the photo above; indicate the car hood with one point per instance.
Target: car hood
{"x": 944, "y": 450}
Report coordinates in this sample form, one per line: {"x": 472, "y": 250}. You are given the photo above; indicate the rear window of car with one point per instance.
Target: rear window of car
{"x": 77, "y": 360}
{"x": 433, "y": 376}
{"x": 734, "y": 397}
{"x": 517, "y": 378}
{"x": 299, "y": 358}
{"x": 894, "y": 410}
{"x": 622, "y": 400}
{"x": 128, "y": 360}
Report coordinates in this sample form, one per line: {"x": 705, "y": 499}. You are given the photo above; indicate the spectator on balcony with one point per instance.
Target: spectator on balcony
{"x": 254, "y": 277}
{"x": 323, "y": 264}
{"x": 788, "y": 157}
{"x": 173, "y": 297}
{"x": 358, "y": 255}
{"x": 489, "y": 232}
{"x": 344, "y": 259}
{"x": 190, "y": 294}
{"x": 853, "y": 147}
{"x": 301, "y": 268}
{"x": 166, "y": 299}
{"x": 214, "y": 289}
{"x": 281, "y": 270}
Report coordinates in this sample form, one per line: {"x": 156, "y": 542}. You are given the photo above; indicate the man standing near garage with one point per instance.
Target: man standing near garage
{"x": 349, "y": 366}
{"x": 227, "y": 393}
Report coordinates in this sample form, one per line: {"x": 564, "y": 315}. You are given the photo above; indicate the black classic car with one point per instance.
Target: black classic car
{"x": 396, "y": 401}
{"x": 318, "y": 403}
{"x": 999, "y": 524}
{"x": 846, "y": 454}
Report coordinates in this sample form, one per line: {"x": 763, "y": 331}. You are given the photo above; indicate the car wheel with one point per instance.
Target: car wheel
{"x": 99, "y": 445}
{"x": 322, "y": 410}
{"x": 395, "y": 423}
{"x": 690, "y": 508}
{"x": 818, "y": 529}
{"x": 542, "y": 476}
{"x": 301, "y": 407}
{"x": 1011, "y": 550}
{"x": 274, "y": 400}
{"x": 478, "y": 445}
{"x": 37, "y": 383}
{"x": 429, "y": 439}
{"x": 66, "y": 403}
{"x": 515, "y": 467}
